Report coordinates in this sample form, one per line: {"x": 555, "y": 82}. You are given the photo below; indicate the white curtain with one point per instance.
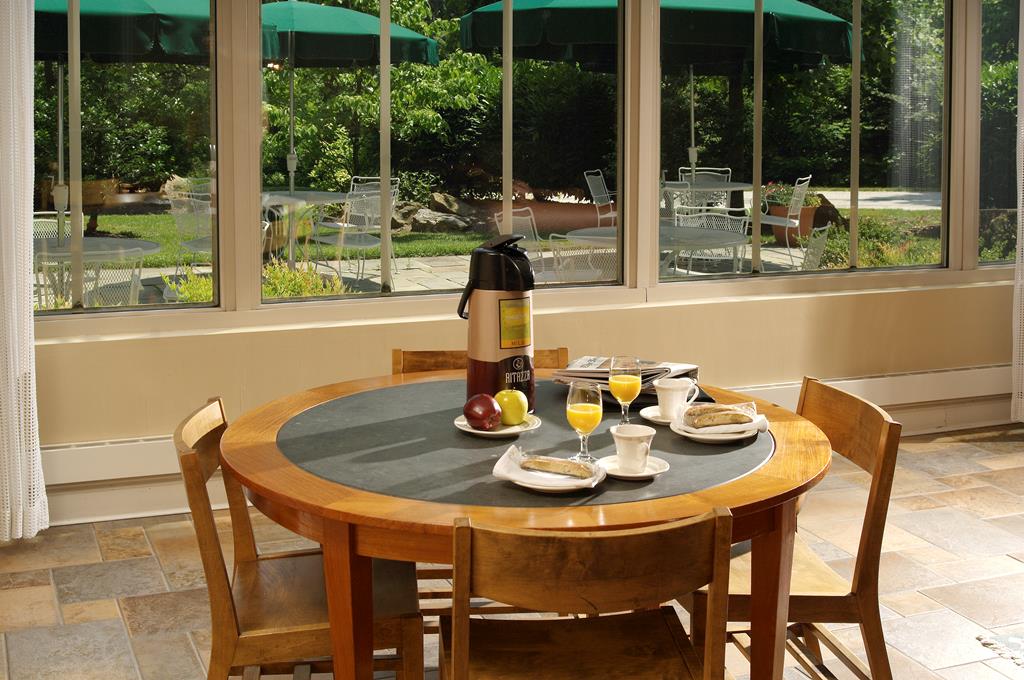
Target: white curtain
{"x": 1018, "y": 281}
{"x": 23, "y": 507}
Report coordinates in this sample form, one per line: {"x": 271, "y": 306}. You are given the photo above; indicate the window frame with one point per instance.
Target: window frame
{"x": 238, "y": 106}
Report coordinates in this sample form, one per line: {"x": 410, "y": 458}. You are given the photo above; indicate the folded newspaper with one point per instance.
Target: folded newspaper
{"x": 596, "y": 369}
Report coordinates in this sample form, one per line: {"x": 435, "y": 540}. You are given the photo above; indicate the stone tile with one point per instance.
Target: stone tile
{"x": 202, "y": 639}
{"x": 25, "y": 579}
{"x": 108, "y": 579}
{"x": 958, "y": 532}
{"x": 896, "y": 573}
{"x": 823, "y": 509}
{"x": 961, "y": 481}
{"x": 937, "y": 639}
{"x": 167, "y": 656}
{"x": 907, "y": 482}
{"x": 175, "y": 546}
{"x": 31, "y": 607}
{"x": 175, "y": 612}
{"x": 1012, "y": 523}
{"x": 909, "y": 602}
{"x": 903, "y": 667}
{"x": 54, "y": 547}
{"x": 87, "y": 651}
{"x": 144, "y": 522}
{"x": 983, "y": 501}
{"x": 94, "y": 610}
{"x": 1007, "y": 667}
{"x": 951, "y": 459}
{"x": 990, "y": 602}
{"x": 123, "y": 543}
{"x": 929, "y": 555}
{"x": 917, "y": 502}
{"x": 1004, "y": 460}
{"x": 845, "y": 535}
{"x": 1011, "y": 480}
{"x": 977, "y": 568}
{"x": 821, "y": 547}
{"x": 973, "y": 671}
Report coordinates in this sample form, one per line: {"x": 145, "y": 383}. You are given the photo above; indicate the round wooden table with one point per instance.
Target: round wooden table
{"x": 354, "y": 525}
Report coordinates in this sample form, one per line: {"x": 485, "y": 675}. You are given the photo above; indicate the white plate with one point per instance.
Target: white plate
{"x": 655, "y": 466}
{"x": 721, "y": 438}
{"x": 532, "y": 422}
{"x": 653, "y": 414}
{"x": 571, "y": 483}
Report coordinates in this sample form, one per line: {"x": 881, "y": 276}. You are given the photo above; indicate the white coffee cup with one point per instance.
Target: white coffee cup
{"x": 632, "y": 446}
{"x": 674, "y": 394}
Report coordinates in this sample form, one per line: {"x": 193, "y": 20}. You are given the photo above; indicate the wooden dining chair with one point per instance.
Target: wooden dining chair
{"x": 866, "y": 435}
{"x": 414, "y": 361}
{"x": 271, "y": 616}
{"x": 591, "y": 573}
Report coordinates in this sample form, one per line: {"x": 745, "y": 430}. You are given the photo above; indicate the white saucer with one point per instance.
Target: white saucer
{"x": 653, "y": 414}
{"x": 532, "y": 422}
{"x": 567, "y": 485}
{"x": 720, "y": 438}
{"x": 655, "y": 466}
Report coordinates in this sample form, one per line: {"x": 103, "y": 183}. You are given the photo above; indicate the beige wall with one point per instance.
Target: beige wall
{"x": 99, "y": 389}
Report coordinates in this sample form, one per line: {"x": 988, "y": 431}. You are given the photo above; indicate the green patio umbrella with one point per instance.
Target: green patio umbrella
{"x": 706, "y": 37}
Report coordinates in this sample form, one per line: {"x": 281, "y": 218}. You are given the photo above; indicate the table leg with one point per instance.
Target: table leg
{"x": 771, "y": 570}
{"x": 349, "y": 581}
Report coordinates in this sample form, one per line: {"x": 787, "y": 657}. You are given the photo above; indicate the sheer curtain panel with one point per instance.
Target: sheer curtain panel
{"x": 1018, "y": 279}
{"x": 23, "y": 508}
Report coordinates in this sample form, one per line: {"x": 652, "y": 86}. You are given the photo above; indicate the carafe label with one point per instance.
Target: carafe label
{"x": 514, "y": 321}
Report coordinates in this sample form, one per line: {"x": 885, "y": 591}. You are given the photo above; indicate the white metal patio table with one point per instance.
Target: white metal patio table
{"x": 670, "y": 238}
{"x": 292, "y": 200}
{"x": 95, "y": 251}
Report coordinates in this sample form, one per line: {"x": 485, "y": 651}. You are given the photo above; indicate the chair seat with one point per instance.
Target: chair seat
{"x": 778, "y": 221}
{"x": 646, "y": 644}
{"x": 811, "y": 576}
{"x": 351, "y": 240}
{"x": 288, "y": 592}
{"x": 204, "y": 244}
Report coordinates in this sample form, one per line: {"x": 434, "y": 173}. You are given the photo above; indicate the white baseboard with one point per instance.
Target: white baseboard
{"x": 98, "y": 481}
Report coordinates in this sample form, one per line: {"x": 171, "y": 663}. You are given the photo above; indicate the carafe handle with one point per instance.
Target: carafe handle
{"x": 464, "y": 301}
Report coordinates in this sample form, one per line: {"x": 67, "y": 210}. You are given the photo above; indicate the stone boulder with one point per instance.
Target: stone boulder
{"x": 402, "y": 216}
{"x": 446, "y": 203}
{"x": 427, "y": 220}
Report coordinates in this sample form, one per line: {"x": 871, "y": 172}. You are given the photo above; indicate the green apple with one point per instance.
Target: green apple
{"x": 514, "y": 406}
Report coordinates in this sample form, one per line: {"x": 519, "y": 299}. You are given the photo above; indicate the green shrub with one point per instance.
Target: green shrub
{"x": 279, "y": 281}
{"x": 997, "y": 235}
{"x": 192, "y": 287}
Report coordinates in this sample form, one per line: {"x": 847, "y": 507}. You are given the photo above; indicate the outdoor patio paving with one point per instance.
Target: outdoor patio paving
{"x": 128, "y": 596}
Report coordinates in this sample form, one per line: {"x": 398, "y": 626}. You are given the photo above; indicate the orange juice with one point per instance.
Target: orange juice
{"x": 625, "y": 388}
{"x": 584, "y": 417}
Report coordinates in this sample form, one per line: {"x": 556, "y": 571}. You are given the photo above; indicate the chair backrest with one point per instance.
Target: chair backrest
{"x": 598, "y": 187}
{"x": 523, "y": 222}
{"x": 593, "y": 572}
{"x": 415, "y": 361}
{"x": 710, "y": 218}
{"x": 117, "y": 281}
{"x": 197, "y": 441}
{"x": 865, "y": 435}
{"x": 46, "y": 225}
{"x": 363, "y": 205}
{"x": 709, "y": 174}
{"x": 799, "y": 194}
{"x": 815, "y": 248}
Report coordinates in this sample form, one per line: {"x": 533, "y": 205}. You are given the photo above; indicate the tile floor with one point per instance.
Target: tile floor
{"x": 125, "y": 599}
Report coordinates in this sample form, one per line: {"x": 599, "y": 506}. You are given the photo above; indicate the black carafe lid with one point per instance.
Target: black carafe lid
{"x": 498, "y": 264}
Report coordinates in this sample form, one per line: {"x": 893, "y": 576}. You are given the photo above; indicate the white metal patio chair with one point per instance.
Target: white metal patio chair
{"x": 47, "y": 225}
{"x": 792, "y": 219}
{"x": 525, "y": 224}
{"x": 118, "y": 280}
{"x": 604, "y": 200}
{"x": 707, "y": 197}
{"x": 358, "y": 227}
{"x": 712, "y": 218}
{"x": 571, "y": 261}
{"x": 814, "y": 249}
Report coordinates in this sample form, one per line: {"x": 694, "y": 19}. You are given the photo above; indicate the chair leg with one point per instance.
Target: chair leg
{"x": 874, "y": 641}
{"x": 697, "y": 606}
{"x": 411, "y": 649}
{"x": 812, "y": 644}
{"x": 251, "y": 673}
{"x": 220, "y": 666}
{"x": 302, "y": 672}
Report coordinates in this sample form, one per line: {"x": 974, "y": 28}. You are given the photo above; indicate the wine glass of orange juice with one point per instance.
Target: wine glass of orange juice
{"x": 583, "y": 410}
{"x": 624, "y": 382}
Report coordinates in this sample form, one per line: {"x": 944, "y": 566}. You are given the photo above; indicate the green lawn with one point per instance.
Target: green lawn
{"x": 888, "y": 238}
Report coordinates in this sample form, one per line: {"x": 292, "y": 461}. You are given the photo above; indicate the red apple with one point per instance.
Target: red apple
{"x": 482, "y": 412}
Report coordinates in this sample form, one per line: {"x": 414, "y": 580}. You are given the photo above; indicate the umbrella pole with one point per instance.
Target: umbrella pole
{"x": 693, "y": 136}
{"x": 75, "y": 160}
{"x": 60, "y": 190}
{"x": 386, "y": 282}
{"x": 293, "y": 159}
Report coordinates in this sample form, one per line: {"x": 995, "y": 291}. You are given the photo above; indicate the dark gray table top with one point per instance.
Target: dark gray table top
{"x": 400, "y": 441}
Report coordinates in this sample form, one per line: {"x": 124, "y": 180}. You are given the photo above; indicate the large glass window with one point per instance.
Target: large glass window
{"x": 902, "y": 134}
{"x": 997, "y": 228}
{"x": 322, "y": 193}
{"x": 147, "y": 221}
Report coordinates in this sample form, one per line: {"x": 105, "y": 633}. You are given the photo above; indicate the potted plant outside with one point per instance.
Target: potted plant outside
{"x": 777, "y": 196}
